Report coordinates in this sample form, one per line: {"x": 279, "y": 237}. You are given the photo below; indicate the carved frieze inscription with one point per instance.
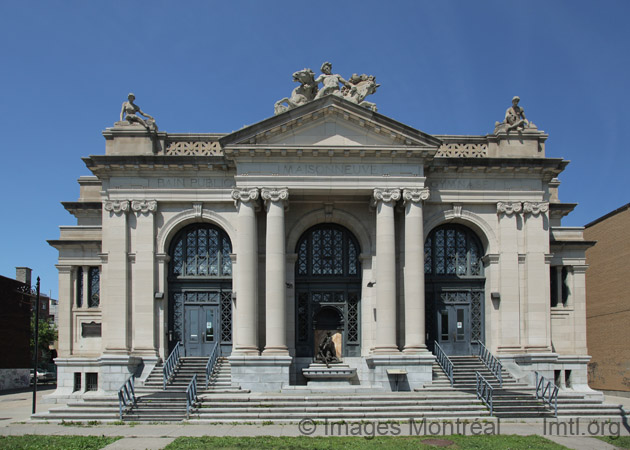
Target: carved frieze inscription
{"x": 329, "y": 170}
{"x": 172, "y": 183}
{"x": 473, "y": 184}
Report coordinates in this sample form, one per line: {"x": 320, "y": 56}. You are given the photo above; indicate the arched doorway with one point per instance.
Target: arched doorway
{"x": 200, "y": 290}
{"x": 454, "y": 281}
{"x": 328, "y": 289}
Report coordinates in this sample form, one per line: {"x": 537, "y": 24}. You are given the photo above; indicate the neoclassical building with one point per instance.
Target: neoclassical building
{"x": 326, "y": 219}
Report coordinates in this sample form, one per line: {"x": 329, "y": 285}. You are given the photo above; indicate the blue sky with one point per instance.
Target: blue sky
{"x": 447, "y": 67}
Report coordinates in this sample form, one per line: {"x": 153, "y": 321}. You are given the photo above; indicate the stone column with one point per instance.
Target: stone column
{"x": 115, "y": 282}
{"x": 144, "y": 322}
{"x": 415, "y": 335}
{"x": 385, "y": 200}
{"x": 85, "y": 282}
{"x": 246, "y": 331}
{"x": 275, "y": 294}
{"x": 67, "y": 297}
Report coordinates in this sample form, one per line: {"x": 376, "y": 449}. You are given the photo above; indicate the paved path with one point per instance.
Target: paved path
{"x": 15, "y": 410}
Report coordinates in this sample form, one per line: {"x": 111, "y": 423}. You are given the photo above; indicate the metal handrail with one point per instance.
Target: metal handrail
{"x": 191, "y": 395}
{"x": 212, "y": 360}
{"x": 491, "y": 362}
{"x": 484, "y": 391}
{"x": 170, "y": 365}
{"x": 126, "y": 396}
{"x": 547, "y": 391}
{"x": 444, "y": 361}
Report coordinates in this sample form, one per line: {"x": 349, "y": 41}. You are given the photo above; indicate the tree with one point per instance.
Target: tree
{"x": 47, "y": 335}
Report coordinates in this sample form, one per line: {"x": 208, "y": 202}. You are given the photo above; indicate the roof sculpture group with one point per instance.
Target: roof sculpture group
{"x": 354, "y": 89}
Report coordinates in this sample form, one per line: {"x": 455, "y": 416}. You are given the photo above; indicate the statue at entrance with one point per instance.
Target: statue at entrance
{"x": 327, "y": 353}
{"x": 130, "y": 111}
{"x": 514, "y": 118}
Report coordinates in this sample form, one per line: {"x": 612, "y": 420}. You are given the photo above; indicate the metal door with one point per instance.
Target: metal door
{"x": 453, "y": 329}
{"x": 200, "y": 329}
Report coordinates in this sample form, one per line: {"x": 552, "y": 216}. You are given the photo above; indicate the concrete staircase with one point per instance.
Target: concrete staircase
{"x": 381, "y": 406}
{"x": 517, "y": 400}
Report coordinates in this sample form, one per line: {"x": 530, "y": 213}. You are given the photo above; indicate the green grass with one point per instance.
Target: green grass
{"x": 503, "y": 442}
{"x": 29, "y": 441}
{"x": 617, "y": 441}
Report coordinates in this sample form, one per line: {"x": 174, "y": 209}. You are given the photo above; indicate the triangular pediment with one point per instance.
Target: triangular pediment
{"x": 330, "y": 121}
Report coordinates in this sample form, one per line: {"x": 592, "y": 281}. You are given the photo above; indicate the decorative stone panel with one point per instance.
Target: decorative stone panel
{"x": 144, "y": 206}
{"x": 535, "y": 208}
{"x": 194, "y": 148}
{"x": 509, "y": 208}
{"x": 116, "y": 206}
{"x": 462, "y": 150}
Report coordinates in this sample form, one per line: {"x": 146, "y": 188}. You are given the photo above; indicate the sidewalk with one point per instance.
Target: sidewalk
{"x": 15, "y": 410}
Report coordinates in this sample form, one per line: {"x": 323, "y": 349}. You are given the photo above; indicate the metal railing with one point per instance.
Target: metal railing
{"x": 212, "y": 360}
{"x": 170, "y": 365}
{"x": 491, "y": 362}
{"x": 445, "y": 363}
{"x": 126, "y": 396}
{"x": 191, "y": 395}
{"x": 484, "y": 391}
{"x": 547, "y": 391}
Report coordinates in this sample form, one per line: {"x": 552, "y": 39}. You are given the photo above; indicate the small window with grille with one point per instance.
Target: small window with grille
{"x": 77, "y": 382}
{"x": 91, "y": 381}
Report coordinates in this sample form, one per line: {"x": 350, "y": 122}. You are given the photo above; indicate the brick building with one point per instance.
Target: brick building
{"x": 608, "y": 306}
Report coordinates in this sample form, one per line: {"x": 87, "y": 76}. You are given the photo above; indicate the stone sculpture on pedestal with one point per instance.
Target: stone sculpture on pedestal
{"x": 514, "y": 118}
{"x": 130, "y": 111}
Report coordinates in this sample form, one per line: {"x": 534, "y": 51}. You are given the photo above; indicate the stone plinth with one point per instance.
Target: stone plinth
{"x": 418, "y": 368}
{"x": 337, "y": 375}
{"x": 260, "y": 373}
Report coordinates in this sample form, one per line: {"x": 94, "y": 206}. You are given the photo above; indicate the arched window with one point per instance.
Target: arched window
{"x": 201, "y": 250}
{"x": 453, "y": 250}
{"x": 328, "y": 250}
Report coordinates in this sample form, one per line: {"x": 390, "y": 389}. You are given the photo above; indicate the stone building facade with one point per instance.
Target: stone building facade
{"x": 327, "y": 217}
{"x": 608, "y": 306}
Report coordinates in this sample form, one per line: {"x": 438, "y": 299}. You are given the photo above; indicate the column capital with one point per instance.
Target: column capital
{"x": 144, "y": 206}
{"x": 272, "y": 195}
{"x": 386, "y": 195}
{"x": 535, "y": 208}
{"x": 245, "y": 195}
{"x": 116, "y": 206}
{"x": 415, "y": 195}
{"x": 509, "y": 208}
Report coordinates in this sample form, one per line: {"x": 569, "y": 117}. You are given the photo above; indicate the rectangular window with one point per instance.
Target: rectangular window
{"x": 77, "y": 382}
{"x": 94, "y": 287}
{"x": 91, "y": 381}
{"x": 79, "y": 287}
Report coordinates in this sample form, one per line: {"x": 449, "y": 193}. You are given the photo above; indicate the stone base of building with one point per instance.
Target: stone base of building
{"x": 260, "y": 373}
{"x": 568, "y": 372}
{"x": 401, "y": 372}
{"x": 14, "y": 378}
{"x": 83, "y": 376}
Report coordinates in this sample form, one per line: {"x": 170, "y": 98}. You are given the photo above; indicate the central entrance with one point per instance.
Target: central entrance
{"x": 200, "y": 291}
{"x": 328, "y": 288}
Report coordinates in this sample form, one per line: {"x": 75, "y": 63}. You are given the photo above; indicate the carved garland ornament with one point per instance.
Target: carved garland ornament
{"x": 509, "y": 208}
{"x": 415, "y": 195}
{"x": 535, "y": 208}
{"x": 144, "y": 206}
{"x": 116, "y": 206}
{"x": 386, "y": 195}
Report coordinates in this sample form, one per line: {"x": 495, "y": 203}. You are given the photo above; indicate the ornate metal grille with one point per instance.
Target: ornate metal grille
{"x": 79, "y": 287}
{"x": 453, "y": 250}
{"x": 201, "y": 251}
{"x": 353, "y": 318}
{"x": 226, "y": 317}
{"x": 476, "y": 319}
{"x": 94, "y": 287}
{"x": 178, "y": 317}
{"x": 327, "y": 250}
{"x": 302, "y": 317}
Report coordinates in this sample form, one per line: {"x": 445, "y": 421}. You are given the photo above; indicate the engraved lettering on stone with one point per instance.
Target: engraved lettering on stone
{"x": 116, "y": 206}
{"x": 144, "y": 206}
{"x": 415, "y": 195}
{"x": 509, "y": 208}
{"x": 535, "y": 208}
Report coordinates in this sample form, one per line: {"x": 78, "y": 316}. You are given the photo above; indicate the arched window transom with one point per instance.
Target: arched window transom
{"x": 201, "y": 250}
{"x": 453, "y": 250}
{"x": 328, "y": 250}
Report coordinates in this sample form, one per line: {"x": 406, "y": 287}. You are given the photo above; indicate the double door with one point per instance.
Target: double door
{"x": 453, "y": 329}
{"x": 201, "y": 329}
